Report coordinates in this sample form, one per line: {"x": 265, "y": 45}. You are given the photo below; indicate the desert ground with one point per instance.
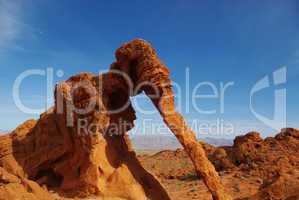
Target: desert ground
{"x": 253, "y": 168}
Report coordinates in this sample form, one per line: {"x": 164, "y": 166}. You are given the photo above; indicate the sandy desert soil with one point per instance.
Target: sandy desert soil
{"x": 177, "y": 175}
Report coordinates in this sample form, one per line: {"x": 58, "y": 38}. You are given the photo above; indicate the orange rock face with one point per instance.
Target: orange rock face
{"x": 80, "y": 146}
{"x": 79, "y": 151}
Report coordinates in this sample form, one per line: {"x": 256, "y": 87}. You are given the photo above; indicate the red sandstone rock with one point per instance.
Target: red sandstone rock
{"x": 57, "y": 152}
{"x": 98, "y": 159}
{"x": 139, "y": 60}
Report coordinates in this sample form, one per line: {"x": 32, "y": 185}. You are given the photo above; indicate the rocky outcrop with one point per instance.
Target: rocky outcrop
{"x": 45, "y": 153}
{"x": 283, "y": 186}
{"x": 14, "y": 182}
{"x": 80, "y": 146}
{"x": 79, "y": 151}
{"x": 78, "y": 161}
{"x": 267, "y": 157}
{"x": 253, "y": 168}
{"x": 273, "y": 159}
{"x": 14, "y": 187}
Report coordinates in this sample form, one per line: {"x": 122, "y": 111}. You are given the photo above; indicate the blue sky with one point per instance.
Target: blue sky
{"x": 219, "y": 41}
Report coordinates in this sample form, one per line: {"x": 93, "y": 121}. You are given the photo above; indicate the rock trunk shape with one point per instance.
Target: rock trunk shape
{"x": 140, "y": 62}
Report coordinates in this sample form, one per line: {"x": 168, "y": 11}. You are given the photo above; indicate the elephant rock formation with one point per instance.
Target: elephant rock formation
{"x": 81, "y": 147}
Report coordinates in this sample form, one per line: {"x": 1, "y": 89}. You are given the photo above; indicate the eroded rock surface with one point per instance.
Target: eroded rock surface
{"x": 80, "y": 146}
{"x": 80, "y": 153}
{"x": 139, "y": 60}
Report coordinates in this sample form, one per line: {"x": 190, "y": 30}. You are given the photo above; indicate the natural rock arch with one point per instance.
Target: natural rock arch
{"x": 139, "y": 60}
{"x": 57, "y": 151}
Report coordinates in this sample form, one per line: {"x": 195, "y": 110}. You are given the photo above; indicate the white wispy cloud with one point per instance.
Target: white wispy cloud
{"x": 9, "y": 26}
{"x": 12, "y": 26}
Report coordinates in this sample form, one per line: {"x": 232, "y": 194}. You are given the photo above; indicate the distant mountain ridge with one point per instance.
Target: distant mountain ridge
{"x": 162, "y": 142}
{"x": 3, "y": 132}
{"x": 218, "y": 141}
